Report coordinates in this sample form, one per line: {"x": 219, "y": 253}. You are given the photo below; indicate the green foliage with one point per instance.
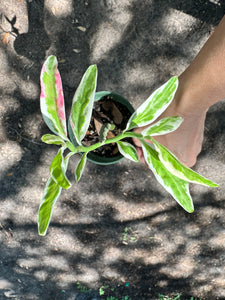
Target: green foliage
{"x": 102, "y": 290}
{"x": 178, "y": 169}
{"x": 82, "y": 288}
{"x": 58, "y": 170}
{"x": 80, "y": 167}
{"x": 155, "y": 105}
{"x": 128, "y": 150}
{"x": 177, "y": 187}
{"x": 104, "y": 131}
{"x": 163, "y": 126}
{"x": 82, "y": 105}
{"x": 129, "y": 235}
{"x": 169, "y": 172}
{"x": 52, "y": 102}
{"x": 53, "y": 139}
{"x": 50, "y": 196}
{"x": 106, "y": 289}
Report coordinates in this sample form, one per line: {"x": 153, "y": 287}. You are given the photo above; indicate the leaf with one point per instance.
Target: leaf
{"x": 155, "y": 105}
{"x": 98, "y": 125}
{"x": 163, "y": 126}
{"x": 105, "y": 132}
{"x": 52, "y": 139}
{"x": 58, "y": 170}
{"x": 5, "y": 38}
{"x": 115, "y": 112}
{"x": 128, "y": 150}
{"x": 80, "y": 167}
{"x": 177, "y": 187}
{"x": 52, "y": 100}
{"x": 133, "y": 135}
{"x": 82, "y": 106}
{"x": 178, "y": 169}
{"x": 51, "y": 195}
{"x": 81, "y": 28}
{"x": 71, "y": 147}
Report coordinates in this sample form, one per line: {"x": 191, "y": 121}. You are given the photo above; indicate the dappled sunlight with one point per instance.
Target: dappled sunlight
{"x": 129, "y": 211}
{"x": 5, "y": 284}
{"x": 4, "y": 64}
{"x": 111, "y": 255}
{"x": 184, "y": 266}
{"x": 176, "y": 22}
{"x": 10, "y": 153}
{"x": 29, "y": 89}
{"x": 6, "y": 73}
{"x": 219, "y": 240}
{"x": 143, "y": 75}
{"x": 116, "y": 226}
{"x": 25, "y": 263}
{"x": 107, "y": 37}
{"x": 15, "y": 9}
{"x": 56, "y": 262}
{"x": 87, "y": 274}
{"x": 59, "y": 8}
{"x": 57, "y": 239}
{"x": 41, "y": 275}
{"x": 107, "y": 34}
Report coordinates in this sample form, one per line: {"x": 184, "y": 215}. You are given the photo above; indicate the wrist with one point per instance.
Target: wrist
{"x": 188, "y": 99}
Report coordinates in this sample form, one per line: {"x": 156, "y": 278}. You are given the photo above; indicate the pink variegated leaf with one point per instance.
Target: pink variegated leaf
{"x": 52, "y": 100}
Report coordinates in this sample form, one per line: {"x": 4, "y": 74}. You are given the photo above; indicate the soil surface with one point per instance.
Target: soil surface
{"x": 116, "y": 233}
{"x": 107, "y": 111}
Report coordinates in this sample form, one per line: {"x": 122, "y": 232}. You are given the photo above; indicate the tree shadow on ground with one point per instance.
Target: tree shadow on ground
{"x": 145, "y": 278}
{"x": 93, "y": 249}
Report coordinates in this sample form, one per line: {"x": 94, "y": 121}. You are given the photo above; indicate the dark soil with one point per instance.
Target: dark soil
{"x": 116, "y": 232}
{"x": 107, "y": 111}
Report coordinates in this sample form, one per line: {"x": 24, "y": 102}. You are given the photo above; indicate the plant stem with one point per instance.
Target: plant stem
{"x": 70, "y": 154}
{"x": 109, "y": 141}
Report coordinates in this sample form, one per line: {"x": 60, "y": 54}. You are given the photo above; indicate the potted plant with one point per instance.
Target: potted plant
{"x": 171, "y": 174}
{"x": 108, "y": 108}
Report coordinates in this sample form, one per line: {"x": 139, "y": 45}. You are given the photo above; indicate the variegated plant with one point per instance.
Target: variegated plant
{"x": 167, "y": 169}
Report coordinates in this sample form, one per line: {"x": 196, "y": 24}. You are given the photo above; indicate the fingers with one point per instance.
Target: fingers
{"x": 141, "y": 155}
{"x": 137, "y": 142}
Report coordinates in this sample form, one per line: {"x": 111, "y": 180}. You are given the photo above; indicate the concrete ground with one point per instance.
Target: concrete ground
{"x": 116, "y": 233}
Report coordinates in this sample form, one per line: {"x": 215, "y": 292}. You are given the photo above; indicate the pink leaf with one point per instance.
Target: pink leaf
{"x": 52, "y": 99}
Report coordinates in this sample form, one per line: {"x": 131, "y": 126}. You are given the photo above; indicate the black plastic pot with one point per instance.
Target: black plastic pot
{"x": 109, "y": 160}
{"x": 93, "y": 157}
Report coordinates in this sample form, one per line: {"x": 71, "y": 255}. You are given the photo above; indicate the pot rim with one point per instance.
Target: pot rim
{"x": 100, "y": 160}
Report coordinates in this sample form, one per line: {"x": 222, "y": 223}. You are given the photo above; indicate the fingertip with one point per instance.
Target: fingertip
{"x": 140, "y": 154}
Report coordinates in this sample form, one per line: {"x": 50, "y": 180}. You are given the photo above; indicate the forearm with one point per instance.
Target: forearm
{"x": 202, "y": 84}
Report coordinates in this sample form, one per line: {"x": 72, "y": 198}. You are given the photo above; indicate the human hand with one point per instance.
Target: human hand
{"x": 185, "y": 142}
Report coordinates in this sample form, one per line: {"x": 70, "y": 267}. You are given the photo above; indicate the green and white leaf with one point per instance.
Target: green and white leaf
{"x": 52, "y": 99}
{"x": 133, "y": 134}
{"x": 52, "y": 139}
{"x": 177, "y": 187}
{"x": 50, "y": 196}
{"x": 154, "y": 106}
{"x": 71, "y": 147}
{"x": 163, "y": 126}
{"x": 128, "y": 150}
{"x": 58, "y": 170}
{"x": 82, "y": 105}
{"x": 80, "y": 167}
{"x": 178, "y": 169}
{"x": 104, "y": 131}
